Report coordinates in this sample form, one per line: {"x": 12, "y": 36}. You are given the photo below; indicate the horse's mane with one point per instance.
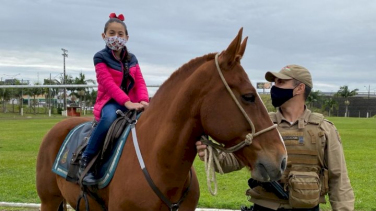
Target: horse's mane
{"x": 184, "y": 72}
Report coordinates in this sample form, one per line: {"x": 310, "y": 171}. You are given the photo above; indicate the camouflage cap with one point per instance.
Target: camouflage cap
{"x": 291, "y": 72}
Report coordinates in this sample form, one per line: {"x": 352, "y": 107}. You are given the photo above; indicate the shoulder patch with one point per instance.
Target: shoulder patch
{"x": 316, "y": 118}
{"x": 331, "y": 124}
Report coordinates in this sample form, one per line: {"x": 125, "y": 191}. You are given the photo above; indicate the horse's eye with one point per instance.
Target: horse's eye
{"x": 250, "y": 98}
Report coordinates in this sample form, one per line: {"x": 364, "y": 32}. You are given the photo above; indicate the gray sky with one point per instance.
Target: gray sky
{"x": 335, "y": 40}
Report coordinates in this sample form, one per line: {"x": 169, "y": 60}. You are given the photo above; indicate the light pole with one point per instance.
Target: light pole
{"x": 347, "y": 103}
{"x": 368, "y": 90}
{"x": 21, "y": 110}
{"x": 64, "y": 81}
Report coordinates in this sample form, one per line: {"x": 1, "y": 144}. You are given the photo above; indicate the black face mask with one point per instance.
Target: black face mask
{"x": 280, "y": 96}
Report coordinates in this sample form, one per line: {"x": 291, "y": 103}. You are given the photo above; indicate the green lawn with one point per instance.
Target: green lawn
{"x": 20, "y": 139}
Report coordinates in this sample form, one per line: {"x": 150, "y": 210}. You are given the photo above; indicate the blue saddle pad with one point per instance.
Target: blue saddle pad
{"x": 74, "y": 139}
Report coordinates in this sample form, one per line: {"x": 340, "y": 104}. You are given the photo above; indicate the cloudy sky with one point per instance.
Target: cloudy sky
{"x": 335, "y": 40}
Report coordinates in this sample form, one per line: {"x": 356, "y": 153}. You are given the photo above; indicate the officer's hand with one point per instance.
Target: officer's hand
{"x": 201, "y": 150}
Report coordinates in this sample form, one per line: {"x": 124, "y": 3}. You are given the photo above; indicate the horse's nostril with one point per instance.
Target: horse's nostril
{"x": 283, "y": 164}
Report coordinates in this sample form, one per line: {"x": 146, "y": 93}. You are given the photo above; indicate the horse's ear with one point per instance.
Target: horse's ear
{"x": 243, "y": 46}
{"x": 240, "y": 54}
{"x": 228, "y": 57}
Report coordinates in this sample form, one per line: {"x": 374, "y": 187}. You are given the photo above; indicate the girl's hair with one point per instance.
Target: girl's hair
{"x": 117, "y": 20}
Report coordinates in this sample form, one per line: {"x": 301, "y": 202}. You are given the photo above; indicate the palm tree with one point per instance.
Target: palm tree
{"x": 35, "y": 92}
{"x": 345, "y": 92}
{"x": 330, "y": 104}
{"x": 92, "y": 96}
{"x": 313, "y": 97}
{"x": 81, "y": 92}
{"x": 51, "y": 93}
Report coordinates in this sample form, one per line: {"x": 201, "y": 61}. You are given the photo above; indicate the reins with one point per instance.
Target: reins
{"x": 209, "y": 159}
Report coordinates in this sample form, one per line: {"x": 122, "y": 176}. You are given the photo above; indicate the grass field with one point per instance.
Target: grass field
{"x": 20, "y": 139}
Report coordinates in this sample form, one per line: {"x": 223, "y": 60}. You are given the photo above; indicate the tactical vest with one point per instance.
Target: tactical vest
{"x": 305, "y": 150}
{"x": 305, "y": 146}
{"x": 306, "y": 176}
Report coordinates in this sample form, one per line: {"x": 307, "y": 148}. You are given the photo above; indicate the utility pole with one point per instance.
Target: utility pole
{"x": 21, "y": 110}
{"x": 49, "y": 99}
{"x": 64, "y": 81}
{"x": 369, "y": 89}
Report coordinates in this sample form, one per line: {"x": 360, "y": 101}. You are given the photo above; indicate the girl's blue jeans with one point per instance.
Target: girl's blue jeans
{"x": 108, "y": 116}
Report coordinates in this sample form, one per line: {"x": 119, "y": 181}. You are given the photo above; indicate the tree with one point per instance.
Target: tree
{"x": 91, "y": 97}
{"x": 345, "y": 92}
{"x": 51, "y": 93}
{"x": 313, "y": 97}
{"x": 35, "y": 92}
{"x": 330, "y": 104}
{"x": 5, "y": 96}
{"x": 81, "y": 92}
{"x": 17, "y": 94}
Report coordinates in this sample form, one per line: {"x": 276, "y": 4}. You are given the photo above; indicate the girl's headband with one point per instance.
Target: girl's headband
{"x": 120, "y": 17}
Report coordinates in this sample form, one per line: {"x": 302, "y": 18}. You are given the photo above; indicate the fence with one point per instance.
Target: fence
{"x": 361, "y": 105}
{"x": 45, "y": 102}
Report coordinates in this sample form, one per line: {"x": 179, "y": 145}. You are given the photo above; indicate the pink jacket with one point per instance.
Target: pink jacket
{"x": 109, "y": 73}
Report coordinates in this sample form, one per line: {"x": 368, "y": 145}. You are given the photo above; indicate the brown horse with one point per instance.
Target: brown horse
{"x": 192, "y": 102}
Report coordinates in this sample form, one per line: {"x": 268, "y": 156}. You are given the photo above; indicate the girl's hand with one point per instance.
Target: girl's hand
{"x": 145, "y": 104}
{"x": 130, "y": 106}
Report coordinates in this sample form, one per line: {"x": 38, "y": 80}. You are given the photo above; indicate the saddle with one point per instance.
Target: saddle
{"x": 67, "y": 164}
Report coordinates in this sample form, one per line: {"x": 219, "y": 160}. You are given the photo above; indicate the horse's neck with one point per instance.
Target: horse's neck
{"x": 171, "y": 126}
{"x": 169, "y": 139}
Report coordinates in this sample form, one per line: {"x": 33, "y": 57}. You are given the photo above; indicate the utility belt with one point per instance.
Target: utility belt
{"x": 301, "y": 190}
{"x": 273, "y": 187}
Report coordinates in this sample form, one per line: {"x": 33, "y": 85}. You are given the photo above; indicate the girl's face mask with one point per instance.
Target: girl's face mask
{"x": 115, "y": 43}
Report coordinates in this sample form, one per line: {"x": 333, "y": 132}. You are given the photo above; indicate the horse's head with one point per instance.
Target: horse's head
{"x": 225, "y": 121}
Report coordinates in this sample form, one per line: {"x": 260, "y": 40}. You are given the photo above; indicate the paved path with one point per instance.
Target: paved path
{"x": 32, "y": 206}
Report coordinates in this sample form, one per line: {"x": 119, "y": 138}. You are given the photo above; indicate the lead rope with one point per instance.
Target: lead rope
{"x": 211, "y": 159}
{"x": 211, "y": 155}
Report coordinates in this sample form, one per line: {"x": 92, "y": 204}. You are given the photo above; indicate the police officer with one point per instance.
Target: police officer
{"x": 316, "y": 163}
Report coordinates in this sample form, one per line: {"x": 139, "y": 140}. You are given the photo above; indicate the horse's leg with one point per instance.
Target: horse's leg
{"x": 47, "y": 188}
{"x": 191, "y": 201}
{"x": 46, "y": 181}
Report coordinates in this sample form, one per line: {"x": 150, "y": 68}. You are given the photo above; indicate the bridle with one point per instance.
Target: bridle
{"x": 211, "y": 155}
{"x": 249, "y": 137}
